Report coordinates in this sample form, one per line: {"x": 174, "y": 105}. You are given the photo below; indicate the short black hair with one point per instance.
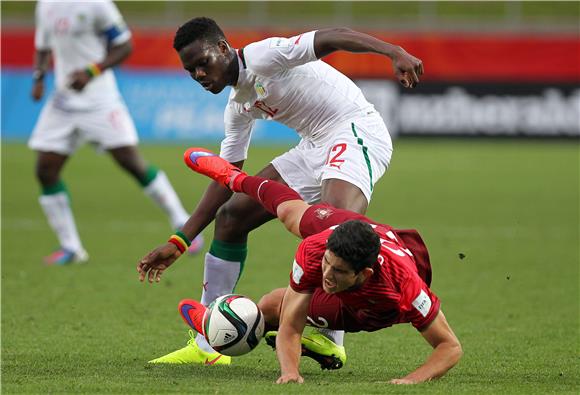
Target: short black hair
{"x": 355, "y": 242}
{"x": 200, "y": 28}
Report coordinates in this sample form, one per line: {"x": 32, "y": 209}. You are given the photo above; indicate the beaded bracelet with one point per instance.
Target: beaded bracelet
{"x": 93, "y": 70}
{"x": 180, "y": 241}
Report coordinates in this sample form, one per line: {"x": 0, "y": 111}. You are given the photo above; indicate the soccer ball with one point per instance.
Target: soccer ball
{"x": 233, "y": 325}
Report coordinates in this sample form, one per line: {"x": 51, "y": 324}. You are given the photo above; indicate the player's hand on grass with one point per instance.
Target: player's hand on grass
{"x": 154, "y": 264}
{"x": 37, "y": 90}
{"x": 79, "y": 79}
{"x": 402, "y": 381}
{"x": 290, "y": 378}
{"x": 407, "y": 68}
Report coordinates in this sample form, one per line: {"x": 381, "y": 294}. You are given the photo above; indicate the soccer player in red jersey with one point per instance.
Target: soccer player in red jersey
{"x": 349, "y": 273}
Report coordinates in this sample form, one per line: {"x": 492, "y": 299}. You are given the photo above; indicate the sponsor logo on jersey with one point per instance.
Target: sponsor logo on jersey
{"x": 279, "y": 42}
{"x": 422, "y": 303}
{"x": 297, "y": 272}
{"x": 260, "y": 90}
{"x": 323, "y": 213}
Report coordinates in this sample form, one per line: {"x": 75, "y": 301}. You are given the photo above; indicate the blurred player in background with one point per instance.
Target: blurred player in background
{"x": 86, "y": 39}
{"x": 349, "y": 273}
{"x": 345, "y": 146}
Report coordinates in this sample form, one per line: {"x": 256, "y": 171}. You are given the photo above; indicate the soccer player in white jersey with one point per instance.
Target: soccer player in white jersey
{"x": 344, "y": 150}
{"x": 86, "y": 39}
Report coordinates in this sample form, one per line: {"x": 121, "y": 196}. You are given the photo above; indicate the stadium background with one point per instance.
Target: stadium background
{"x": 510, "y": 206}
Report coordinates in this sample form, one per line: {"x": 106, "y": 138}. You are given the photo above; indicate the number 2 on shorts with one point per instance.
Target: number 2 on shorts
{"x": 334, "y": 155}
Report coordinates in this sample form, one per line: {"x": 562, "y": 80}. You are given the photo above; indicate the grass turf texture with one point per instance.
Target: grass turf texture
{"x": 510, "y": 206}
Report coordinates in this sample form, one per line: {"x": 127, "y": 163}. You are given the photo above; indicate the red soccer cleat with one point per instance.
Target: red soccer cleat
{"x": 192, "y": 313}
{"x": 209, "y": 164}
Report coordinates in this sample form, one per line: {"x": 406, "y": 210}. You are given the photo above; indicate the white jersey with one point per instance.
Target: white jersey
{"x": 281, "y": 79}
{"x": 78, "y": 33}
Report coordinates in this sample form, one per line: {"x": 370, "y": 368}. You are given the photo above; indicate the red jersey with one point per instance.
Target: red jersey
{"x": 394, "y": 294}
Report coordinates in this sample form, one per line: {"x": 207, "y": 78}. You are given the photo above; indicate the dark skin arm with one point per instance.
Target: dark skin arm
{"x": 152, "y": 265}
{"x": 406, "y": 67}
{"x": 41, "y": 64}
{"x": 115, "y": 56}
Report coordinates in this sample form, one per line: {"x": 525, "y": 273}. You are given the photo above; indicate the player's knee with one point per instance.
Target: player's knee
{"x": 270, "y": 305}
{"x": 230, "y": 220}
{"x": 286, "y": 215}
{"x": 47, "y": 175}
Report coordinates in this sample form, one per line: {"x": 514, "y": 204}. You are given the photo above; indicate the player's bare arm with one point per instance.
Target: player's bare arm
{"x": 446, "y": 353}
{"x": 152, "y": 265}
{"x": 292, "y": 322}
{"x": 406, "y": 67}
{"x": 115, "y": 56}
{"x": 41, "y": 64}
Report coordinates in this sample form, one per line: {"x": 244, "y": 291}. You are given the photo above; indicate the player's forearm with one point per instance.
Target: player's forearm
{"x": 327, "y": 41}
{"x": 444, "y": 357}
{"x": 288, "y": 350}
{"x": 116, "y": 55}
{"x": 214, "y": 197}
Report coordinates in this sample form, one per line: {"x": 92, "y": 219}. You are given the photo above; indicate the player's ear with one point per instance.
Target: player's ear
{"x": 367, "y": 272}
{"x": 223, "y": 46}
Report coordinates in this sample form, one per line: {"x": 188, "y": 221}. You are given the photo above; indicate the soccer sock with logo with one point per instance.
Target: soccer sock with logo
{"x": 224, "y": 264}
{"x": 267, "y": 192}
{"x": 336, "y": 336}
{"x": 156, "y": 185}
{"x": 55, "y": 203}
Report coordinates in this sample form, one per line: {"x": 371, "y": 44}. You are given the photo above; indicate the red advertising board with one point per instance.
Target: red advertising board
{"x": 447, "y": 57}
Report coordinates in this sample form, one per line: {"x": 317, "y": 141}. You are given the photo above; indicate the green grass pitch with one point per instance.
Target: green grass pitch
{"x": 510, "y": 206}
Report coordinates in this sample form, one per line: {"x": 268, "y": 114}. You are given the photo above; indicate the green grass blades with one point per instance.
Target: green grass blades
{"x": 500, "y": 219}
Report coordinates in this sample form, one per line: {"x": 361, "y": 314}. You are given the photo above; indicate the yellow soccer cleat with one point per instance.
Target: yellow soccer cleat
{"x": 318, "y": 347}
{"x": 193, "y": 354}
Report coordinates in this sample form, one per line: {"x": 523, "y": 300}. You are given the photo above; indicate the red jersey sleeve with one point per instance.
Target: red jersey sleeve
{"x": 306, "y": 274}
{"x": 419, "y": 304}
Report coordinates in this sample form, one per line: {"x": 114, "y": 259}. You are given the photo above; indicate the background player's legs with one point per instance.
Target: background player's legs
{"x": 155, "y": 183}
{"x": 55, "y": 203}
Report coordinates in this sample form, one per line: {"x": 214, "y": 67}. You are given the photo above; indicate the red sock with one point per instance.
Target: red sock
{"x": 268, "y": 193}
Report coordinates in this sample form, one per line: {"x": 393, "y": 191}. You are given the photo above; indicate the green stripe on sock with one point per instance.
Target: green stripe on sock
{"x": 149, "y": 176}
{"x": 54, "y": 189}
{"x": 235, "y": 252}
{"x": 365, "y": 154}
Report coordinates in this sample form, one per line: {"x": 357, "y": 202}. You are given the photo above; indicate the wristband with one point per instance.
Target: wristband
{"x": 175, "y": 241}
{"x": 180, "y": 240}
{"x": 38, "y": 75}
{"x": 94, "y": 70}
{"x": 183, "y": 236}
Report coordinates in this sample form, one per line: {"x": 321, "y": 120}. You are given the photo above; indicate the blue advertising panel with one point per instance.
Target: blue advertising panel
{"x": 166, "y": 106}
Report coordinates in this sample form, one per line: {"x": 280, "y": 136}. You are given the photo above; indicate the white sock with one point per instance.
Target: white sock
{"x": 163, "y": 194}
{"x": 334, "y": 335}
{"x": 219, "y": 278}
{"x": 57, "y": 209}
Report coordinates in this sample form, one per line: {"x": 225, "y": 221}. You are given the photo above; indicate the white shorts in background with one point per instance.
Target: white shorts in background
{"x": 359, "y": 152}
{"x": 63, "y": 131}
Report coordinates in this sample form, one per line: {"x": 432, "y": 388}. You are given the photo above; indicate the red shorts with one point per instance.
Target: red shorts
{"x": 328, "y": 311}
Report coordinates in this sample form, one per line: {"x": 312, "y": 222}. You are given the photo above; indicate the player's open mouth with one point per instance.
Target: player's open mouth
{"x": 329, "y": 284}
{"x": 206, "y": 85}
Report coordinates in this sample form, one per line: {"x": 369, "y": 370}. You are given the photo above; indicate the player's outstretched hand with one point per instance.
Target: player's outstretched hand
{"x": 401, "y": 381}
{"x": 37, "y": 90}
{"x": 154, "y": 264}
{"x": 290, "y": 378}
{"x": 79, "y": 79}
{"x": 407, "y": 68}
